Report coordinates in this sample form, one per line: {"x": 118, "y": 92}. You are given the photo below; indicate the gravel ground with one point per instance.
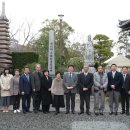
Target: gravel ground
{"x": 40, "y": 121}
{"x": 50, "y": 121}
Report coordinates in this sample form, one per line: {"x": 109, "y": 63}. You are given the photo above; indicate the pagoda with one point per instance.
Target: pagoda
{"x": 5, "y": 54}
{"x": 124, "y": 25}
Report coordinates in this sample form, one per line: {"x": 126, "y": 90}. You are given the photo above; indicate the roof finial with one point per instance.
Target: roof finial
{"x": 3, "y": 9}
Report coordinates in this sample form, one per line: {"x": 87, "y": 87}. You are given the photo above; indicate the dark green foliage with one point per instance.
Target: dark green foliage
{"x": 21, "y": 59}
{"x": 102, "y": 48}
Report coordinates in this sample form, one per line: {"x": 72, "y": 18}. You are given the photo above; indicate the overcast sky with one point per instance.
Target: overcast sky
{"x": 85, "y": 16}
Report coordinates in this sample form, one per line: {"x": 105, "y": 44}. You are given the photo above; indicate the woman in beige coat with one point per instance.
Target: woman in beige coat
{"x": 58, "y": 91}
{"x": 5, "y": 89}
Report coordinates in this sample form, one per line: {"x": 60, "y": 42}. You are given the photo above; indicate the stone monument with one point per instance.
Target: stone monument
{"x": 89, "y": 54}
{"x": 5, "y": 54}
{"x": 51, "y": 54}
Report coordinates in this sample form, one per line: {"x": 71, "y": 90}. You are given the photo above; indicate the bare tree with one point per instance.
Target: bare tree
{"x": 24, "y": 34}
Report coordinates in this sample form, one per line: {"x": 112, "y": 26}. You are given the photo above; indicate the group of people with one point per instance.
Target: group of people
{"x": 115, "y": 84}
{"x": 37, "y": 86}
{"x": 44, "y": 91}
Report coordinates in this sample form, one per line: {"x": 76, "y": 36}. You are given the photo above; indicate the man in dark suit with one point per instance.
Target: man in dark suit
{"x": 36, "y": 87}
{"x": 25, "y": 89}
{"x": 70, "y": 82}
{"x": 85, "y": 83}
{"x": 114, "y": 87}
{"x": 125, "y": 90}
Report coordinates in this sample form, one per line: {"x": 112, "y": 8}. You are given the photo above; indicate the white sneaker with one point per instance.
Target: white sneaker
{"x": 15, "y": 111}
{"x": 18, "y": 111}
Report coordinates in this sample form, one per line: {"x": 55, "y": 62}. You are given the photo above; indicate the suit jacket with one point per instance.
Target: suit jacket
{"x": 69, "y": 82}
{"x": 36, "y": 81}
{"x": 97, "y": 81}
{"x": 25, "y": 84}
{"x": 85, "y": 82}
{"x": 117, "y": 81}
{"x": 126, "y": 82}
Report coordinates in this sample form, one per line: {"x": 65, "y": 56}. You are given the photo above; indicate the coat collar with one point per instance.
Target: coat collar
{"x": 26, "y": 77}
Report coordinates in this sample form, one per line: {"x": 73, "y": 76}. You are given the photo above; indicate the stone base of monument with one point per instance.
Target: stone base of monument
{"x": 52, "y": 76}
{"x": 92, "y": 69}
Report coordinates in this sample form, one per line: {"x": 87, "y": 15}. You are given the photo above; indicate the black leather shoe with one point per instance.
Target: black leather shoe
{"x": 67, "y": 112}
{"x": 127, "y": 113}
{"x": 116, "y": 113}
{"x": 96, "y": 113}
{"x": 29, "y": 111}
{"x": 35, "y": 111}
{"x": 101, "y": 113}
{"x": 88, "y": 113}
{"x": 45, "y": 112}
{"x": 56, "y": 113}
{"x": 110, "y": 113}
{"x": 24, "y": 112}
{"x": 73, "y": 112}
{"x": 81, "y": 113}
{"x": 122, "y": 112}
{"x": 39, "y": 110}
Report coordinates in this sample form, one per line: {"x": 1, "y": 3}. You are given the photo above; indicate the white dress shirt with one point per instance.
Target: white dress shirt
{"x": 113, "y": 73}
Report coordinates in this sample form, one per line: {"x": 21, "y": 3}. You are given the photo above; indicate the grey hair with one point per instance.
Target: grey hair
{"x": 37, "y": 64}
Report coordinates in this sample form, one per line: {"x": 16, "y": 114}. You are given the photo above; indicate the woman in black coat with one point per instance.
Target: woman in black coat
{"x": 46, "y": 91}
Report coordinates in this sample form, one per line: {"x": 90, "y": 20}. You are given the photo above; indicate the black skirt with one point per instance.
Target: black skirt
{"x": 46, "y": 98}
{"x": 58, "y": 101}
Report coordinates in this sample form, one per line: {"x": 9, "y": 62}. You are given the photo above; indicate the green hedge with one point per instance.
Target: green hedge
{"x": 21, "y": 59}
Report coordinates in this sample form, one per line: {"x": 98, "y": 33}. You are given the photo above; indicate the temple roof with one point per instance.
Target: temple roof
{"x": 119, "y": 60}
{"x": 124, "y": 25}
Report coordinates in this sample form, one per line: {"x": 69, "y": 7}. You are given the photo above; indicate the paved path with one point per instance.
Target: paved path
{"x": 40, "y": 121}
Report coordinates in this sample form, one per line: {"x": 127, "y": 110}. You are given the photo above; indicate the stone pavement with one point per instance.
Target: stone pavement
{"x": 40, "y": 121}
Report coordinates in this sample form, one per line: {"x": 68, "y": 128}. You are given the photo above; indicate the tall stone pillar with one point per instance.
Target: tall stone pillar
{"x": 51, "y": 54}
{"x": 5, "y": 54}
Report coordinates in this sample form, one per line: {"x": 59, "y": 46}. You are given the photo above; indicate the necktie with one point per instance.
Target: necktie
{"x": 113, "y": 74}
{"x": 124, "y": 76}
{"x": 39, "y": 75}
{"x": 70, "y": 75}
{"x": 27, "y": 77}
{"x": 101, "y": 79}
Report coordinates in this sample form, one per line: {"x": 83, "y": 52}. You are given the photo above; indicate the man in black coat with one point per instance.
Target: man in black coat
{"x": 85, "y": 83}
{"x": 25, "y": 89}
{"x": 125, "y": 90}
{"x": 114, "y": 87}
{"x": 36, "y": 87}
